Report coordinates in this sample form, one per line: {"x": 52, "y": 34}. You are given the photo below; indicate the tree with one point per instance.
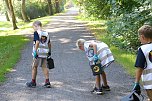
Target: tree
{"x": 11, "y": 12}
{"x": 57, "y": 7}
{"x": 50, "y": 7}
{"x": 7, "y": 17}
{"x": 24, "y": 15}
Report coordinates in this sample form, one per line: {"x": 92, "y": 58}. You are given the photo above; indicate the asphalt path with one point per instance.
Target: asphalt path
{"x": 72, "y": 79}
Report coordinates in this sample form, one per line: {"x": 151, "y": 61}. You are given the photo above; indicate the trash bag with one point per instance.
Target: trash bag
{"x": 133, "y": 96}
{"x": 50, "y": 62}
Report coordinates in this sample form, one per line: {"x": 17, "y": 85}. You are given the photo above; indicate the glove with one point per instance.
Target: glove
{"x": 95, "y": 58}
{"x": 35, "y": 54}
{"x": 49, "y": 53}
{"x": 137, "y": 88}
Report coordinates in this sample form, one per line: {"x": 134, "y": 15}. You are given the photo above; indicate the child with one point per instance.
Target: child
{"x": 96, "y": 50}
{"x": 144, "y": 61}
{"x": 41, "y": 49}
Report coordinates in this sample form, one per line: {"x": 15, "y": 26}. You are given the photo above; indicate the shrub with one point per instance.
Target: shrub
{"x": 123, "y": 30}
{"x": 33, "y": 10}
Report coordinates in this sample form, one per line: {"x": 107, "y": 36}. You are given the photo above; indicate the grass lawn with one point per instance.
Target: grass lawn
{"x": 12, "y": 42}
{"x": 124, "y": 58}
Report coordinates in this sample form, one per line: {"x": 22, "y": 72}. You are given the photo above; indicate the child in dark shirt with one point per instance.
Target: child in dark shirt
{"x": 41, "y": 49}
{"x": 144, "y": 61}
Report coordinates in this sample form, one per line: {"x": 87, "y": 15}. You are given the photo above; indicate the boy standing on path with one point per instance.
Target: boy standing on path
{"x": 41, "y": 49}
{"x": 96, "y": 50}
{"x": 144, "y": 61}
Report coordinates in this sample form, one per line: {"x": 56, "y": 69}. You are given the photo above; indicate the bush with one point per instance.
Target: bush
{"x": 123, "y": 30}
{"x": 33, "y": 10}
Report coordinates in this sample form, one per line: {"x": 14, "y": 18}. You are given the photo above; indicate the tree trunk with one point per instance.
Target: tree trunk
{"x": 24, "y": 15}
{"x": 12, "y": 14}
{"x": 50, "y": 7}
{"x": 57, "y": 6}
{"x": 7, "y": 17}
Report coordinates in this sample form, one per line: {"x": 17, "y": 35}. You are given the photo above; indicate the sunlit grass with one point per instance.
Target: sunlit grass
{"x": 126, "y": 59}
{"x": 6, "y": 27}
{"x": 10, "y": 49}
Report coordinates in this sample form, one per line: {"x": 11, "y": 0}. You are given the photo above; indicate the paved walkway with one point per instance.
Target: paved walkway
{"x": 71, "y": 79}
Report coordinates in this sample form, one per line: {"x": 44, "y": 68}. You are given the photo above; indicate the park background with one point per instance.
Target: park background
{"x": 115, "y": 22}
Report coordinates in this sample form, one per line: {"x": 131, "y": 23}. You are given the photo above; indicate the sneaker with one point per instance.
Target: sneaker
{"x": 106, "y": 88}
{"x": 31, "y": 84}
{"x": 97, "y": 91}
{"x": 47, "y": 85}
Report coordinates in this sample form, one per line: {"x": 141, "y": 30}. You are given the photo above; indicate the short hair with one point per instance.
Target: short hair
{"x": 145, "y": 30}
{"x": 80, "y": 42}
{"x": 37, "y": 23}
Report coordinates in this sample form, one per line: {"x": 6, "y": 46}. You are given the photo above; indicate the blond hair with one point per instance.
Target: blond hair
{"x": 80, "y": 42}
{"x": 38, "y": 23}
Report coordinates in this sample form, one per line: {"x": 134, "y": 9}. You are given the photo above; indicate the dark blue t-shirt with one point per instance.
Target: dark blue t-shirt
{"x": 140, "y": 60}
{"x": 36, "y": 36}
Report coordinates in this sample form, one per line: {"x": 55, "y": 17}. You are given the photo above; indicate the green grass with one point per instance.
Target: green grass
{"x": 6, "y": 27}
{"x": 122, "y": 57}
{"x": 10, "y": 49}
{"x": 12, "y": 42}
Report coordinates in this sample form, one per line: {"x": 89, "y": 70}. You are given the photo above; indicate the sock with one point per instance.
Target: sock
{"x": 33, "y": 80}
{"x": 47, "y": 80}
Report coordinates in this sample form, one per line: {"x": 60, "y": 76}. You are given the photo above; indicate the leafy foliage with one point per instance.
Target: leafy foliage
{"x": 123, "y": 30}
{"x": 124, "y": 18}
{"x": 33, "y": 10}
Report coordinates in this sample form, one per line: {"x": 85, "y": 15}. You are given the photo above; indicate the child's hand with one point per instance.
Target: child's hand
{"x": 35, "y": 54}
{"x": 136, "y": 88}
{"x": 49, "y": 53}
{"x": 95, "y": 57}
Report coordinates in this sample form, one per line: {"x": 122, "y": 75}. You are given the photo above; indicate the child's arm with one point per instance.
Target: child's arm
{"x": 139, "y": 72}
{"x": 49, "y": 45}
{"x": 36, "y": 45}
{"x": 136, "y": 87}
{"x": 94, "y": 46}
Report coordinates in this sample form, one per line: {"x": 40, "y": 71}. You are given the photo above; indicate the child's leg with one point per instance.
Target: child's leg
{"x": 98, "y": 85}
{"x": 46, "y": 73}
{"x": 34, "y": 72}
{"x": 105, "y": 85}
{"x": 149, "y": 93}
{"x": 45, "y": 69}
{"x": 34, "y": 69}
{"x": 104, "y": 78}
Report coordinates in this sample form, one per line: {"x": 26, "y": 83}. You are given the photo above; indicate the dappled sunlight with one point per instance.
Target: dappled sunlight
{"x": 89, "y": 36}
{"x": 80, "y": 89}
{"x": 11, "y": 70}
{"x": 57, "y": 83}
{"x": 27, "y": 31}
{"x": 128, "y": 56}
{"x": 75, "y": 49}
{"x": 20, "y": 79}
{"x": 72, "y": 78}
{"x": 3, "y": 29}
{"x": 58, "y": 29}
{"x": 88, "y": 82}
{"x": 66, "y": 19}
{"x": 64, "y": 40}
